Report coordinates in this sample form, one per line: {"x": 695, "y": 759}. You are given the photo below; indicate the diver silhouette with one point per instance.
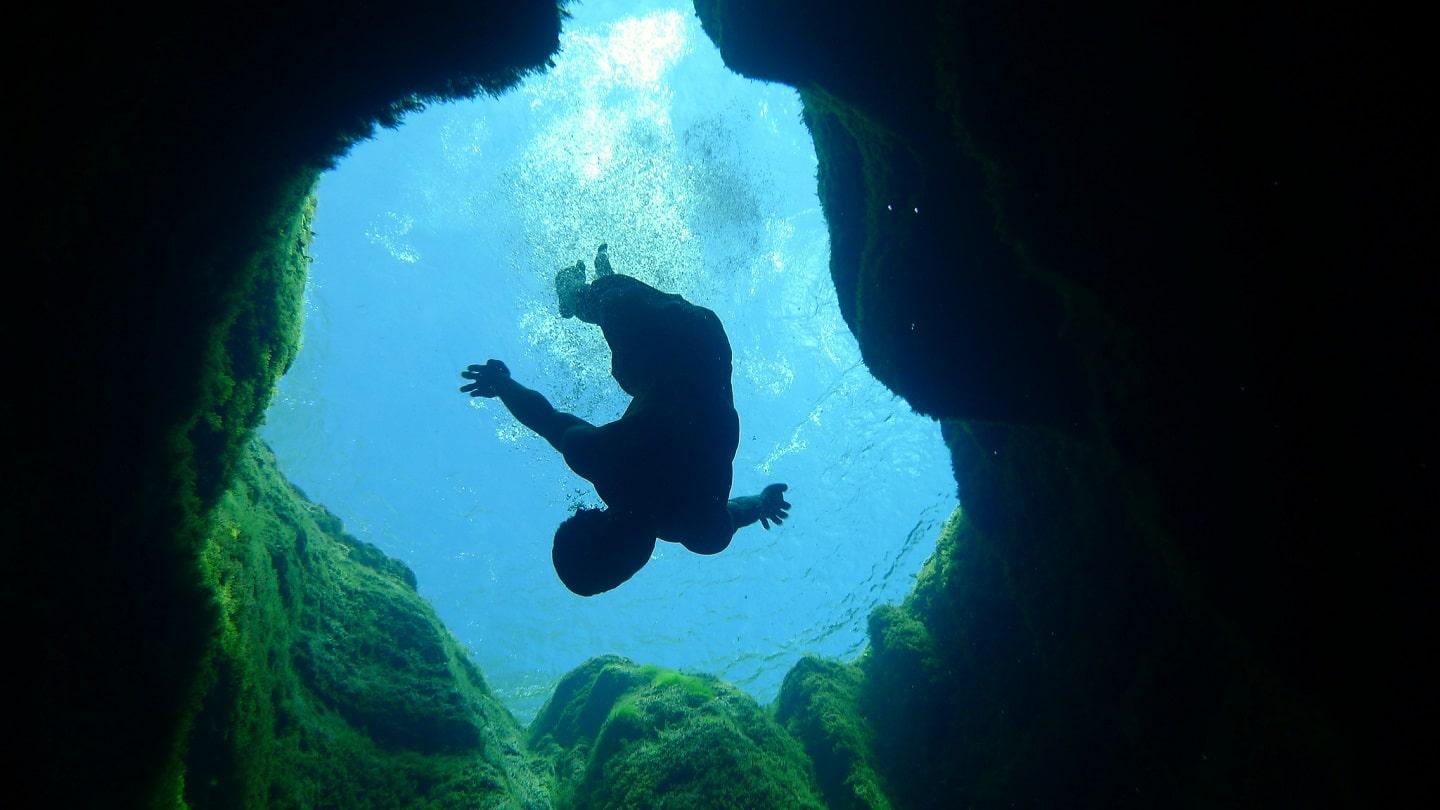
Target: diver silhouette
{"x": 663, "y": 469}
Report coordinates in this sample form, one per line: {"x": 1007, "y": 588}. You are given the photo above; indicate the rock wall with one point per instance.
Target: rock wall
{"x": 820, "y": 705}
{"x": 164, "y": 158}
{"x": 1155, "y": 266}
{"x": 1119, "y": 248}
{"x": 331, "y": 681}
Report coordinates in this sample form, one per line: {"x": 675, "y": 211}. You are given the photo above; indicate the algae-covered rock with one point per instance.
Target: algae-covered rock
{"x": 622, "y": 735}
{"x": 819, "y": 704}
{"x": 1047, "y": 228}
{"x": 332, "y": 682}
{"x": 159, "y": 209}
{"x": 1180, "y": 232}
{"x": 1053, "y": 652}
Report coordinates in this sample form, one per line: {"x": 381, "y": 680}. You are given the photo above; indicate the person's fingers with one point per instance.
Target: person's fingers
{"x": 784, "y": 504}
{"x": 475, "y": 368}
{"x": 465, "y": 389}
{"x": 764, "y": 523}
{"x": 779, "y": 521}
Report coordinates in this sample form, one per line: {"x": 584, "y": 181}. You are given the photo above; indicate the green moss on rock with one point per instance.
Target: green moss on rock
{"x": 918, "y": 256}
{"x": 1054, "y": 649}
{"x": 249, "y": 349}
{"x": 1046, "y": 230}
{"x": 168, "y": 156}
{"x": 331, "y": 682}
{"x": 622, "y": 735}
{"x": 819, "y": 704}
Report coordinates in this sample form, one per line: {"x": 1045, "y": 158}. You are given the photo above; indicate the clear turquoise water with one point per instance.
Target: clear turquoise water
{"x": 437, "y": 246}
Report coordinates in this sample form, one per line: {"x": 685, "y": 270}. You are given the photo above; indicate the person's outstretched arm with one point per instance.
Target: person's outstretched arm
{"x": 531, "y": 408}
{"x": 768, "y": 507}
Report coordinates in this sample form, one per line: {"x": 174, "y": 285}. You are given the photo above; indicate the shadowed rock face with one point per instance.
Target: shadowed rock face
{"x": 1139, "y": 306}
{"x": 167, "y": 158}
{"x": 1155, "y": 268}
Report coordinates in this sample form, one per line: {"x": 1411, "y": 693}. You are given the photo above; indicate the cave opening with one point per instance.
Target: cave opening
{"x": 436, "y": 246}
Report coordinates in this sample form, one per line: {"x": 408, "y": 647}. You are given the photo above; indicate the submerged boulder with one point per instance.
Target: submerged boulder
{"x": 820, "y": 705}
{"x": 622, "y": 735}
{"x": 332, "y": 682}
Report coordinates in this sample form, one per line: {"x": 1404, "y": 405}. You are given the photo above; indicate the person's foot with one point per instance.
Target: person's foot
{"x": 602, "y": 262}
{"x": 568, "y": 284}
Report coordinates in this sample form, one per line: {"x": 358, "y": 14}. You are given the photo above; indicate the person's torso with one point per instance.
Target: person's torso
{"x": 672, "y": 458}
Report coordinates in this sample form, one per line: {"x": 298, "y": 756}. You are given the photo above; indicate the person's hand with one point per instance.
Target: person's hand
{"x": 486, "y": 377}
{"x": 773, "y": 506}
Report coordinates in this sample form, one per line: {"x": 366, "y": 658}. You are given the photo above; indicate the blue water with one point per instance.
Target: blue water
{"x": 436, "y": 246}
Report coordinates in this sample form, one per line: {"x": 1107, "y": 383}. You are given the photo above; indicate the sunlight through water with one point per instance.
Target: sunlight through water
{"x": 437, "y": 245}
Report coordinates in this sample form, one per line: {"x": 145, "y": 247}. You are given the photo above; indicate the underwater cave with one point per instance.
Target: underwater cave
{"x": 1137, "y": 282}
{"x": 438, "y": 243}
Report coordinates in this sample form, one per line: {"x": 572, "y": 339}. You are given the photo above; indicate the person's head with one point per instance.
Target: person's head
{"x": 596, "y": 550}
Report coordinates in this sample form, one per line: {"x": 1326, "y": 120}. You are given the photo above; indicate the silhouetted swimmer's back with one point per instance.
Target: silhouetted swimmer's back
{"x": 669, "y": 457}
